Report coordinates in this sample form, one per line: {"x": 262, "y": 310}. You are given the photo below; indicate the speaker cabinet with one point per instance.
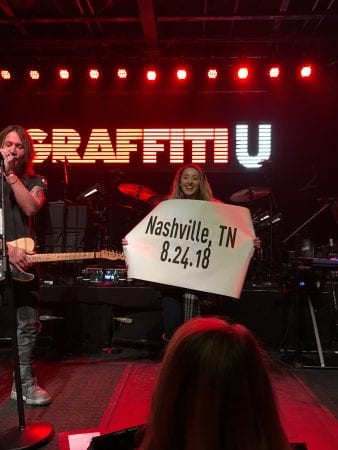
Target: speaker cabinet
{"x": 145, "y": 329}
{"x": 262, "y": 312}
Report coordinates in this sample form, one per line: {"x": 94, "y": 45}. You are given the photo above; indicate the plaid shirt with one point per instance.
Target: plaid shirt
{"x": 191, "y": 305}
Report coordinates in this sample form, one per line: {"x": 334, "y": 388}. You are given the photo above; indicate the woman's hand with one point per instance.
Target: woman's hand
{"x": 125, "y": 242}
{"x": 257, "y": 243}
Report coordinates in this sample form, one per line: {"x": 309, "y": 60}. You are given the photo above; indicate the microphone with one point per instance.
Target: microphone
{"x": 2, "y": 163}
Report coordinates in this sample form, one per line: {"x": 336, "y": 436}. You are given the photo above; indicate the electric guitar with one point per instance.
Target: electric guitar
{"x": 27, "y": 244}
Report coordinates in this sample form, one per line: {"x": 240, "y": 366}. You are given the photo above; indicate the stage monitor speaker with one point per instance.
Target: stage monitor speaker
{"x": 141, "y": 329}
{"x": 262, "y": 312}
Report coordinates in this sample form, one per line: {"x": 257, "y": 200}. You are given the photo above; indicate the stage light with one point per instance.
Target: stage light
{"x": 181, "y": 74}
{"x": 5, "y": 74}
{"x": 34, "y": 74}
{"x": 151, "y": 75}
{"x": 212, "y": 74}
{"x": 243, "y": 73}
{"x": 274, "y": 72}
{"x": 97, "y": 188}
{"x": 64, "y": 74}
{"x": 94, "y": 74}
{"x": 305, "y": 71}
{"x": 122, "y": 73}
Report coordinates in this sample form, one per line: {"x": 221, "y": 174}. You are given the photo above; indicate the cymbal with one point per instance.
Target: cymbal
{"x": 249, "y": 194}
{"x": 138, "y": 191}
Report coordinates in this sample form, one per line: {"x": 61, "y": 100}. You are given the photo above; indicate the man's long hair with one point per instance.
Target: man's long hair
{"x": 205, "y": 191}
{"x": 214, "y": 393}
{"x": 27, "y": 167}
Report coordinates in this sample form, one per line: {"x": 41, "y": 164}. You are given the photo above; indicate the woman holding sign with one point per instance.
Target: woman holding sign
{"x": 180, "y": 304}
{"x": 190, "y": 183}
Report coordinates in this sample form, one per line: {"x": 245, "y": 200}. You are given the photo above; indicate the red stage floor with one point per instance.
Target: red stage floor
{"x": 102, "y": 395}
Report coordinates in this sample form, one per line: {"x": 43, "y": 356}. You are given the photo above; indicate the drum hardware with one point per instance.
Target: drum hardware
{"x": 264, "y": 220}
{"x": 128, "y": 209}
{"x": 250, "y": 194}
{"x": 137, "y": 191}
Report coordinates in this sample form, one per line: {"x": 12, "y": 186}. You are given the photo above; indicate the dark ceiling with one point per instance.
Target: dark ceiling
{"x": 160, "y": 29}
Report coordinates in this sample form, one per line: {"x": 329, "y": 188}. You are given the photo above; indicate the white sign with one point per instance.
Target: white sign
{"x": 194, "y": 244}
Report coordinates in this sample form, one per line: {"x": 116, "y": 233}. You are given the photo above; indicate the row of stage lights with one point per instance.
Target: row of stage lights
{"x": 241, "y": 73}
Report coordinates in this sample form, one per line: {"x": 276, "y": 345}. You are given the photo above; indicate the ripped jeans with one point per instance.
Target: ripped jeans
{"x": 28, "y": 327}
{"x": 26, "y": 300}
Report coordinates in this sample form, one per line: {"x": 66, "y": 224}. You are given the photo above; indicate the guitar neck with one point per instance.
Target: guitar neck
{"x": 50, "y": 257}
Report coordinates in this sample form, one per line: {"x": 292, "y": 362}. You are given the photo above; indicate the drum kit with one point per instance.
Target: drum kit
{"x": 125, "y": 212}
{"x": 260, "y": 218}
{"x": 250, "y": 194}
{"x": 142, "y": 193}
{"x": 267, "y": 261}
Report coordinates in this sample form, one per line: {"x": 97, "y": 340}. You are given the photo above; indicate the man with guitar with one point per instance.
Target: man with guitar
{"x": 24, "y": 195}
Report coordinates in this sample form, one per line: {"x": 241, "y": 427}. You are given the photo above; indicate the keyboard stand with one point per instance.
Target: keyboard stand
{"x": 303, "y": 300}
{"x": 316, "y": 332}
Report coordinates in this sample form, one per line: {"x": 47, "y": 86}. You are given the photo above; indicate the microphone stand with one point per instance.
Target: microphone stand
{"x": 64, "y": 215}
{"x": 323, "y": 208}
{"x": 117, "y": 176}
{"x": 268, "y": 175}
{"x": 65, "y": 206}
{"x": 25, "y": 435}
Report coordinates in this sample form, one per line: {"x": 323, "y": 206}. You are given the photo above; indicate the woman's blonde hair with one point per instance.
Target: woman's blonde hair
{"x": 205, "y": 191}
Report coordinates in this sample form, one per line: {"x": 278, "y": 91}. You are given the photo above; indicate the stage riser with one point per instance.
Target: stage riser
{"x": 83, "y": 319}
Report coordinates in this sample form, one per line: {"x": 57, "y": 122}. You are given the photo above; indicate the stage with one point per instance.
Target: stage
{"x": 84, "y": 407}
